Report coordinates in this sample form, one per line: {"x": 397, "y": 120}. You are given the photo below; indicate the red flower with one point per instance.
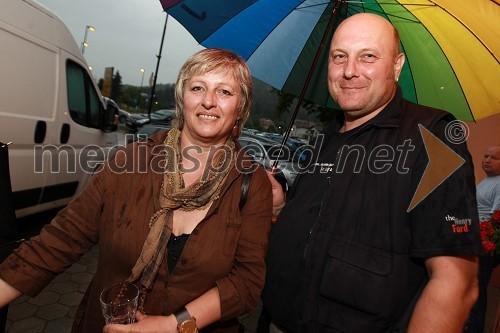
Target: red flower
{"x": 490, "y": 233}
{"x": 489, "y": 247}
{"x": 495, "y": 217}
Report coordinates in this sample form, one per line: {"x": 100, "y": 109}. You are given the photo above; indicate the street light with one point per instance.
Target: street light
{"x": 140, "y": 89}
{"x": 84, "y": 43}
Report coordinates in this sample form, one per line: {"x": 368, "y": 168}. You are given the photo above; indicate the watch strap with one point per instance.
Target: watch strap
{"x": 182, "y": 315}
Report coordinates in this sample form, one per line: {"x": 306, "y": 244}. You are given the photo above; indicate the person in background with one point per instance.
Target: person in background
{"x": 166, "y": 216}
{"x": 347, "y": 253}
{"x": 488, "y": 201}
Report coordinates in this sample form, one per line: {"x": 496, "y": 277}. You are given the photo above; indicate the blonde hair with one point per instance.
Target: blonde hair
{"x": 214, "y": 60}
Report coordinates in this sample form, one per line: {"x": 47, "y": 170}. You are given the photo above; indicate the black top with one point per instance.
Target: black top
{"x": 302, "y": 210}
{"x": 175, "y": 246}
{"x": 346, "y": 254}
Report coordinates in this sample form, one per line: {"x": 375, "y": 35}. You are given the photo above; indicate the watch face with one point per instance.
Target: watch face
{"x": 188, "y": 326}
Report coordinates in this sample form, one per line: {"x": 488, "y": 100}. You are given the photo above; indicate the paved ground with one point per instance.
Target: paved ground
{"x": 53, "y": 310}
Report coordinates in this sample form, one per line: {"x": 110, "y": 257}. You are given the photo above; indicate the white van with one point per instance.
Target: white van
{"x": 50, "y": 108}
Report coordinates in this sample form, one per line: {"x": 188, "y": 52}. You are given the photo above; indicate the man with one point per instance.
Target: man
{"x": 347, "y": 254}
{"x": 488, "y": 201}
{"x": 488, "y": 190}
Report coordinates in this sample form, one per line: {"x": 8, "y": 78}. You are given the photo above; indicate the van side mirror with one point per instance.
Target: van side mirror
{"x": 109, "y": 118}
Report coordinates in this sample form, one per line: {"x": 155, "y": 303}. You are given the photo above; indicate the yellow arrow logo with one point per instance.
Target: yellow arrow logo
{"x": 443, "y": 162}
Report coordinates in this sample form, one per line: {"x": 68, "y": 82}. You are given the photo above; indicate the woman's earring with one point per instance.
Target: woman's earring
{"x": 235, "y": 132}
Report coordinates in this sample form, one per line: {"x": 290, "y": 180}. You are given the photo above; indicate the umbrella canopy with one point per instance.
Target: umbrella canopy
{"x": 451, "y": 46}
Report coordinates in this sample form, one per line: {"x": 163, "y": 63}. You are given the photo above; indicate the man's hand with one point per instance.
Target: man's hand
{"x": 279, "y": 196}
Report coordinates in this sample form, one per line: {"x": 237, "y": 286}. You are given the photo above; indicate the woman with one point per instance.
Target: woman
{"x": 166, "y": 217}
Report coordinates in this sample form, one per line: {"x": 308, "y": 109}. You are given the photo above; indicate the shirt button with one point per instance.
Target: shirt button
{"x": 195, "y": 232}
{"x": 183, "y": 261}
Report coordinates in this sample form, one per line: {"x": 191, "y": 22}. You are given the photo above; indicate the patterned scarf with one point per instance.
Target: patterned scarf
{"x": 174, "y": 195}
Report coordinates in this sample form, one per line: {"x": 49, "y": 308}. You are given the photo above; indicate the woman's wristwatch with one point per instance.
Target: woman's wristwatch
{"x": 185, "y": 322}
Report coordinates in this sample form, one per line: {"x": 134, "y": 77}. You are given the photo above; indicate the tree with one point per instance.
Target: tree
{"x": 165, "y": 95}
{"x": 287, "y": 101}
{"x": 129, "y": 97}
{"x": 116, "y": 86}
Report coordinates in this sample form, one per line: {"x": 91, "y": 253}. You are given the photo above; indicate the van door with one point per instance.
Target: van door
{"x": 50, "y": 108}
{"x": 28, "y": 98}
{"x": 81, "y": 145}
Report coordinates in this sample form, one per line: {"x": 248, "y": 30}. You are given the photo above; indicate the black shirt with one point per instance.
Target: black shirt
{"x": 346, "y": 254}
{"x": 175, "y": 246}
{"x": 300, "y": 213}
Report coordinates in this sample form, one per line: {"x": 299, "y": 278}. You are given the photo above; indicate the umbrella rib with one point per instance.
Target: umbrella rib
{"x": 360, "y": 4}
{"x": 201, "y": 41}
{"x": 277, "y": 24}
{"x": 306, "y": 83}
{"x": 310, "y": 6}
{"x": 425, "y": 5}
{"x": 466, "y": 27}
{"x": 385, "y": 3}
{"x": 448, "y": 60}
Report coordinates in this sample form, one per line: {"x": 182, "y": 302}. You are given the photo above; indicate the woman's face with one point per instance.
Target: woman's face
{"x": 211, "y": 102}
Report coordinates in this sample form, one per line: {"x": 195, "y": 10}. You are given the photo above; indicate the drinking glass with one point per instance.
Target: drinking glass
{"x": 119, "y": 303}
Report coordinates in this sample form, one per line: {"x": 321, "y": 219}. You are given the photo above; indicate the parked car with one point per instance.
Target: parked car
{"x": 264, "y": 151}
{"x": 290, "y": 147}
{"x": 136, "y": 121}
{"x": 279, "y": 138}
{"x": 147, "y": 130}
{"x": 163, "y": 116}
{"x": 121, "y": 114}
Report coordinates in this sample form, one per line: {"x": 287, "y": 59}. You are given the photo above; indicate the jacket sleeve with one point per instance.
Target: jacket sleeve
{"x": 61, "y": 243}
{"x": 240, "y": 291}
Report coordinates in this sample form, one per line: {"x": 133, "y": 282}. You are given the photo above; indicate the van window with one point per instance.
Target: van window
{"x": 83, "y": 101}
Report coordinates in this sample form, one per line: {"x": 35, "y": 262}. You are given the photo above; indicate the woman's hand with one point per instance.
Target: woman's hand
{"x": 145, "y": 324}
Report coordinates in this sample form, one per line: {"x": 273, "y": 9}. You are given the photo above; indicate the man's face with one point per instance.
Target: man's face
{"x": 491, "y": 161}
{"x": 364, "y": 65}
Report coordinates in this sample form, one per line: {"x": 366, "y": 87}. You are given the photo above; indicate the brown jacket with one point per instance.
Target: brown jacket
{"x": 226, "y": 249}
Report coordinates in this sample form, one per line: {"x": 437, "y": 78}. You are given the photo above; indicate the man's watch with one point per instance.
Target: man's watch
{"x": 185, "y": 322}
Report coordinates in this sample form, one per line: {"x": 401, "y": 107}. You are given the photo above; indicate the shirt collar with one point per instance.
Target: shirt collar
{"x": 388, "y": 117}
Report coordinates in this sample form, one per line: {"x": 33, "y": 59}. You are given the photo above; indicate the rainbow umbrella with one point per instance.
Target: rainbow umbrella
{"x": 451, "y": 46}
